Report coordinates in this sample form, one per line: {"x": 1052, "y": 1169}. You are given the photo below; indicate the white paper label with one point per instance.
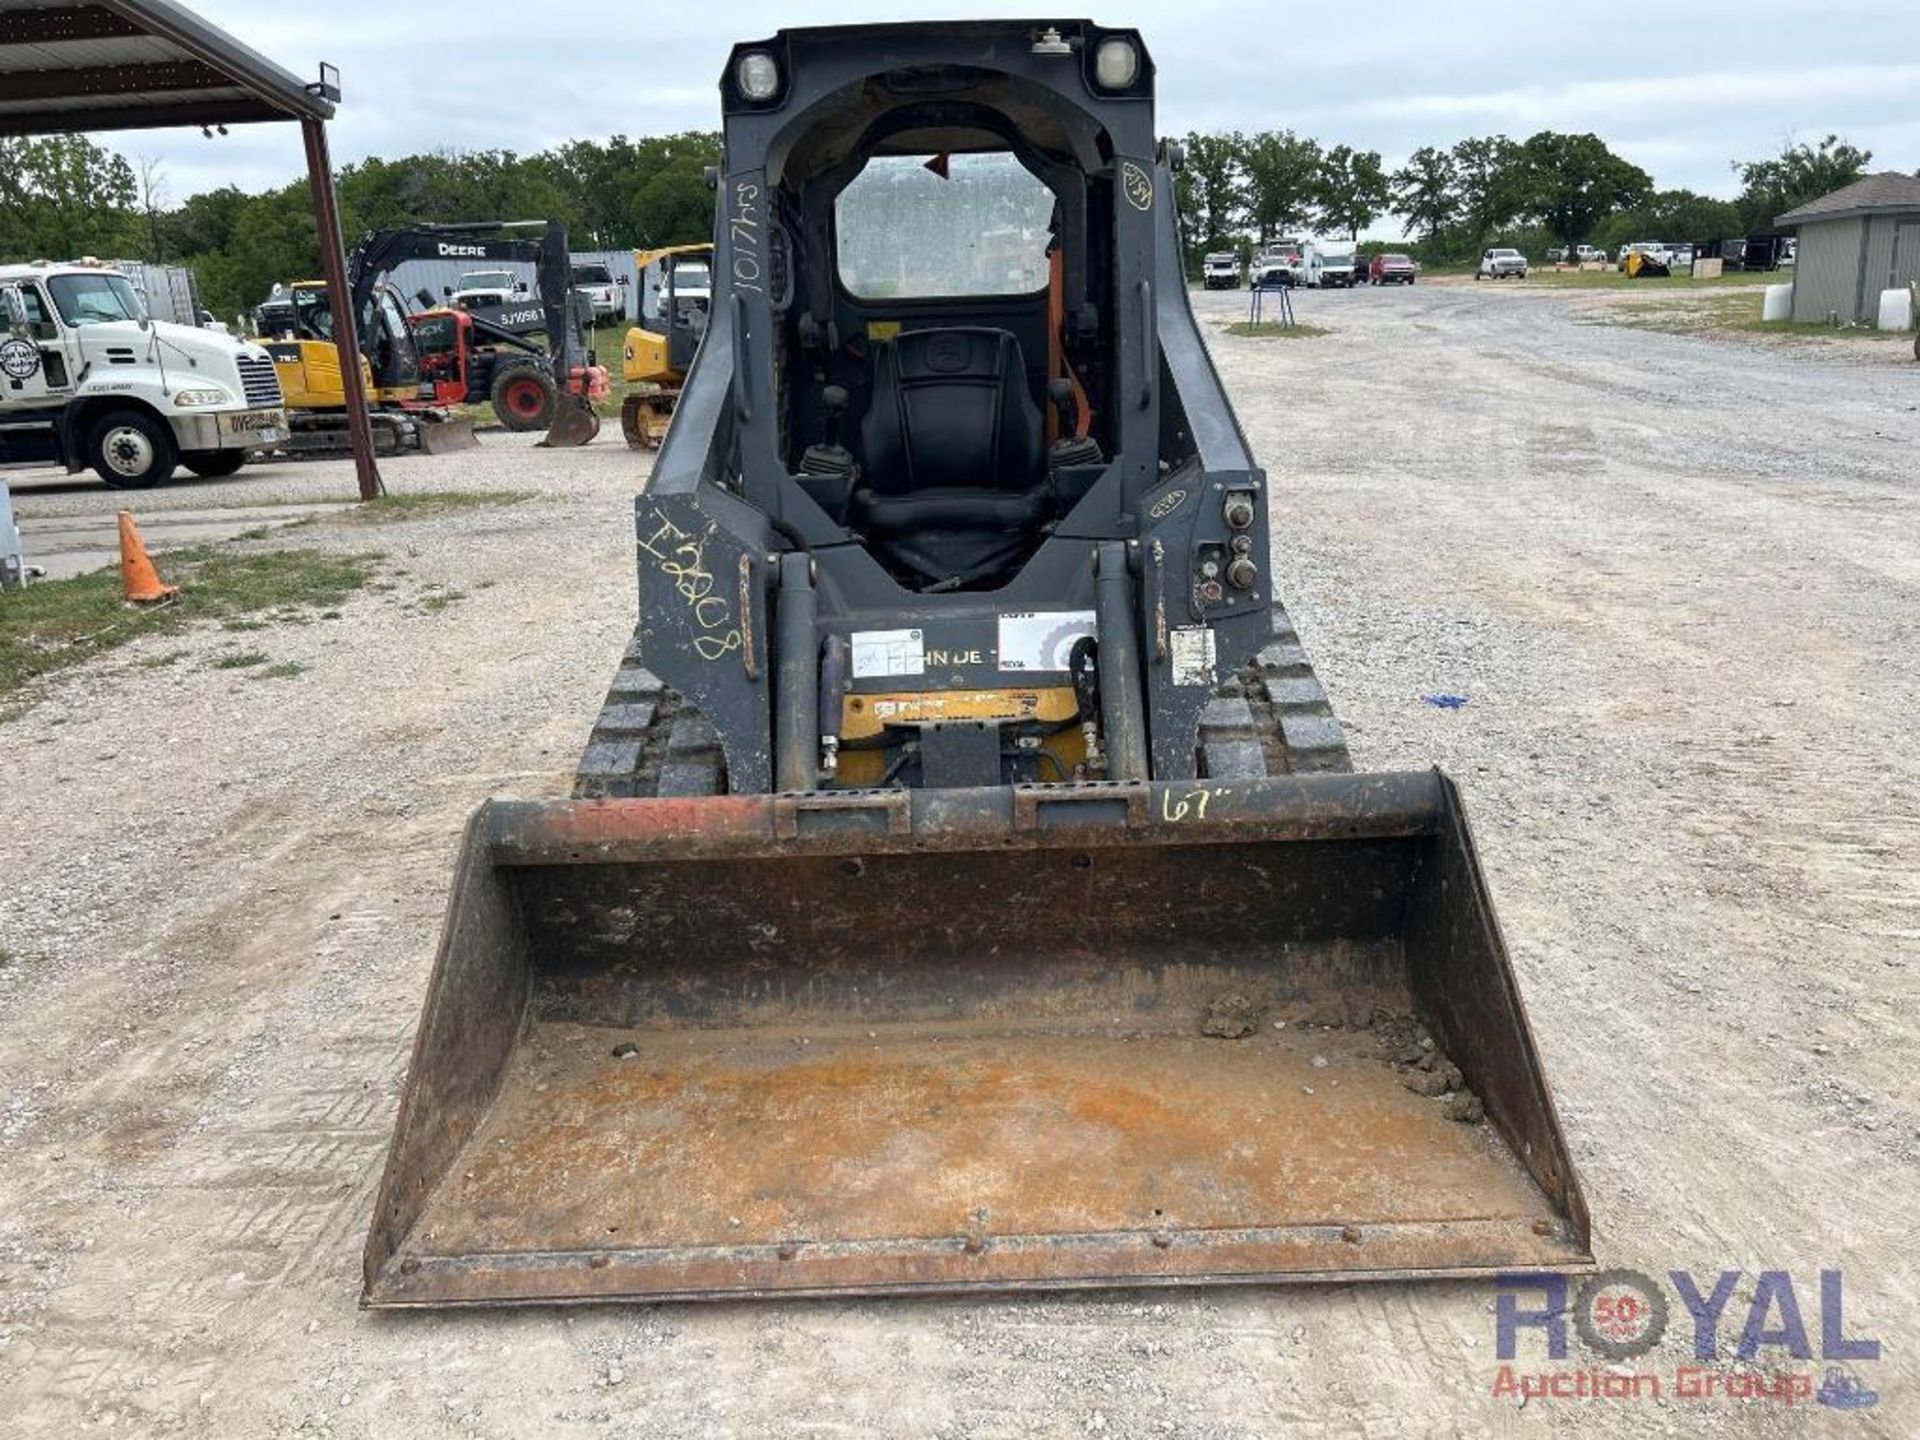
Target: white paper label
{"x": 1041, "y": 639}
{"x": 1191, "y": 648}
{"x": 878, "y": 653}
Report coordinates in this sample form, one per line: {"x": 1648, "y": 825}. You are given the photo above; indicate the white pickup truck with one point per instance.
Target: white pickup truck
{"x": 87, "y": 380}
{"x": 1221, "y": 270}
{"x": 479, "y": 289}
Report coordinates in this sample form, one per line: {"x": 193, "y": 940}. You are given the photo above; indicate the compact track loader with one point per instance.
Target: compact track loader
{"x": 968, "y": 886}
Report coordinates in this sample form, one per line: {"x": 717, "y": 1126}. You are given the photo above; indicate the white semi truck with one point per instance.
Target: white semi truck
{"x": 87, "y": 380}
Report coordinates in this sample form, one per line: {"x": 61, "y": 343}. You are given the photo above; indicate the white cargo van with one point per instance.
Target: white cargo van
{"x": 1329, "y": 267}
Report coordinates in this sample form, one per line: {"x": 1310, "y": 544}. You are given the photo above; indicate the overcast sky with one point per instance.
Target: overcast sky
{"x": 1681, "y": 88}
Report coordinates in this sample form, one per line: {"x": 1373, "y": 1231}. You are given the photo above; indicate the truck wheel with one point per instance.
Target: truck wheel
{"x": 212, "y": 464}
{"x": 131, "y": 450}
{"x": 524, "y": 398}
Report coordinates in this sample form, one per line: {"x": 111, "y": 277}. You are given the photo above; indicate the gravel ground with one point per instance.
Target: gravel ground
{"x": 1675, "y": 581}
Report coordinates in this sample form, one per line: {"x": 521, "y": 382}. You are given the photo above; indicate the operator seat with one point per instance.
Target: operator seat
{"x": 953, "y": 480}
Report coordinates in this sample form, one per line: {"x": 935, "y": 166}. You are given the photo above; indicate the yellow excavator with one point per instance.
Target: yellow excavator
{"x": 417, "y": 367}
{"x": 296, "y": 327}
{"x": 676, "y": 292}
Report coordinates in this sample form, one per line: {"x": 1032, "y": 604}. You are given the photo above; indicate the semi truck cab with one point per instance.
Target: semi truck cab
{"x": 89, "y": 381}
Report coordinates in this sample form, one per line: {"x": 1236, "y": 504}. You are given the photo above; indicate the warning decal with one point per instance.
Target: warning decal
{"x": 1043, "y": 639}
{"x": 1192, "y": 655}
{"x": 879, "y": 653}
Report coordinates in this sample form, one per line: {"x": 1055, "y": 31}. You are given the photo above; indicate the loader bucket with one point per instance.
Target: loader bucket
{"x": 575, "y": 422}
{"x": 1015, "y": 1038}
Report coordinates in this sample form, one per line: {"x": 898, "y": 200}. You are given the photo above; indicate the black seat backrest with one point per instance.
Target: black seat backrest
{"x": 951, "y": 408}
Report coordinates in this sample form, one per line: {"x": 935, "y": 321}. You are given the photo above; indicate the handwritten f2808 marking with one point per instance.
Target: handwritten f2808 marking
{"x": 682, "y": 559}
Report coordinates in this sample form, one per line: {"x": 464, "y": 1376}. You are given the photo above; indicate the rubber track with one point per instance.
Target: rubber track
{"x": 647, "y": 742}
{"x": 1271, "y": 719}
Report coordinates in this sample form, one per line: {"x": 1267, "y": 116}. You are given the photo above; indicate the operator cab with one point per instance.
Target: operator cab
{"x": 302, "y": 312}
{"x": 952, "y": 404}
{"x": 312, "y": 317}
{"x": 952, "y": 335}
{"x": 942, "y": 266}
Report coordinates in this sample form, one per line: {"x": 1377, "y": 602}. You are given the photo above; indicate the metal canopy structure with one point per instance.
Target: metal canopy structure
{"x": 67, "y": 68}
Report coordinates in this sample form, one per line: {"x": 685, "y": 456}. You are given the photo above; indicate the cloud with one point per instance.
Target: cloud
{"x": 1597, "y": 101}
{"x": 1681, "y": 96}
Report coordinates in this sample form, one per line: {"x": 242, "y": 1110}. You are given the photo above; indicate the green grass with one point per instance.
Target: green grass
{"x": 240, "y": 659}
{"x": 1613, "y": 280}
{"x": 1268, "y": 330}
{"x": 1705, "y": 311}
{"x": 284, "y": 670}
{"x": 244, "y": 501}
{"x": 608, "y": 343}
{"x": 59, "y": 623}
{"x": 420, "y": 504}
{"x": 1753, "y": 324}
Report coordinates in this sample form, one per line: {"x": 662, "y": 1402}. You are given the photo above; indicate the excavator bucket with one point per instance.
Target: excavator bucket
{"x": 445, "y": 435}
{"x": 644, "y": 419}
{"x": 1011, "y": 1038}
{"x": 575, "y": 422}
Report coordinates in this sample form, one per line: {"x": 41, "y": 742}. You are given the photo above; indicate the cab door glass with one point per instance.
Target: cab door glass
{"x": 40, "y": 322}
{"x": 396, "y": 361}
{"x": 653, "y": 290}
{"x": 391, "y": 320}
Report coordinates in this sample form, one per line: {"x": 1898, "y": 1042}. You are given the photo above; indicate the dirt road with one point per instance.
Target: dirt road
{"x": 1678, "y": 585}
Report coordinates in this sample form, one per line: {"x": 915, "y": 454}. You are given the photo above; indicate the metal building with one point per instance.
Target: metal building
{"x": 410, "y": 277}
{"x": 1854, "y": 243}
{"x": 172, "y": 292}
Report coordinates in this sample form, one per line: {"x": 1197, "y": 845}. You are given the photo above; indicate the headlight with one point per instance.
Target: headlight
{"x": 1116, "y": 64}
{"x": 201, "y": 397}
{"x": 758, "y": 75}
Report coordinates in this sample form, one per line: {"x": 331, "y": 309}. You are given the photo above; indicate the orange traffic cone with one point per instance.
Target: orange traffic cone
{"x": 137, "y": 576}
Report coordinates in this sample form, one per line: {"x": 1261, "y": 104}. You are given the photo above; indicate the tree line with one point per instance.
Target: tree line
{"x": 1239, "y": 191}
{"x": 64, "y": 196}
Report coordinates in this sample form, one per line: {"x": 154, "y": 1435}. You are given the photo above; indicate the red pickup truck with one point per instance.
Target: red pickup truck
{"x": 1392, "y": 270}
